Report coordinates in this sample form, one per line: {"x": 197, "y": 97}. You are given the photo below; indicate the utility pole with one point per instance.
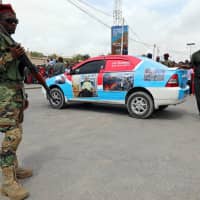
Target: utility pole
{"x": 119, "y": 37}
{"x": 190, "y": 47}
{"x": 122, "y": 38}
{"x": 117, "y": 13}
{"x": 154, "y": 52}
{"x": 158, "y": 51}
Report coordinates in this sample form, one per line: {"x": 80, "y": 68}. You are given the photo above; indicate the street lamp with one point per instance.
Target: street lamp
{"x": 190, "y": 46}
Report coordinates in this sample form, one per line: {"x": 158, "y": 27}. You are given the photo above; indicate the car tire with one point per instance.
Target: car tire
{"x": 140, "y": 105}
{"x": 163, "y": 107}
{"x": 60, "y": 99}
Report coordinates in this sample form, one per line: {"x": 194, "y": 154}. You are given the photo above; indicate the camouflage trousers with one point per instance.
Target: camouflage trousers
{"x": 11, "y": 117}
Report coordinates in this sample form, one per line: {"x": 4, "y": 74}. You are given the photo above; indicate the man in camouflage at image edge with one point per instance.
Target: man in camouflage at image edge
{"x": 12, "y": 104}
{"x": 195, "y": 62}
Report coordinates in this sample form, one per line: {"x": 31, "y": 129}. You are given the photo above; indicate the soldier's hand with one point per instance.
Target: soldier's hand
{"x": 17, "y": 51}
{"x": 26, "y": 104}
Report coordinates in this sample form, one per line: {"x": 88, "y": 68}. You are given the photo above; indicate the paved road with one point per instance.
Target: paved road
{"x": 90, "y": 152}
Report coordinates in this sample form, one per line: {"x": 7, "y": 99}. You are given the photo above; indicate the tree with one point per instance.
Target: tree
{"x": 53, "y": 56}
{"x": 36, "y": 54}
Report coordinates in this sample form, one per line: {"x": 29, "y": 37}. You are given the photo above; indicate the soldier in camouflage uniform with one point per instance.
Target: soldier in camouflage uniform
{"x": 195, "y": 62}
{"x": 166, "y": 61}
{"x": 12, "y": 104}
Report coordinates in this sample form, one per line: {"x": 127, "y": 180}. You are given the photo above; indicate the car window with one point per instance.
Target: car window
{"x": 90, "y": 67}
{"x": 118, "y": 65}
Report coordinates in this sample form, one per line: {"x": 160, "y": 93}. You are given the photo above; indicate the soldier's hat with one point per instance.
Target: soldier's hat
{"x": 6, "y": 8}
{"x": 166, "y": 55}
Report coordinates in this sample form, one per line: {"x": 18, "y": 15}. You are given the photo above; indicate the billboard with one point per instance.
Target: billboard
{"x": 119, "y": 38}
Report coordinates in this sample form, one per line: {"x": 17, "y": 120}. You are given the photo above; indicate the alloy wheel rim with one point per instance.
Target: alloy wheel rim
{"x": 139, "y": 105}
{"x": 57, "y": 97}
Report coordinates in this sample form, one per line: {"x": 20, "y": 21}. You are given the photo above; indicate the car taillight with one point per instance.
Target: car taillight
{"x": 173, "y": 81}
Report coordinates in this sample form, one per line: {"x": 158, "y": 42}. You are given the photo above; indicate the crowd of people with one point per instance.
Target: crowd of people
{"x": 52, "y": 68}
{"x": 184, "y": 65}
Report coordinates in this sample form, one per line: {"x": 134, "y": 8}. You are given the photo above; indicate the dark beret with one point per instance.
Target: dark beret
{"x": 166, "y": 55}
{"x": 6, "y": 8}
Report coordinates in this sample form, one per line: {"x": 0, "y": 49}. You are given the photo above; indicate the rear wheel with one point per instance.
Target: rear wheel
{"x": 59, "y": 100}
{"x": 140, "y": 105}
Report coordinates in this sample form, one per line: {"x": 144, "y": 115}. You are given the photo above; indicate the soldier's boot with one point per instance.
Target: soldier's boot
{"x": 10, "y": 187}
{"x": 22, "y": 173}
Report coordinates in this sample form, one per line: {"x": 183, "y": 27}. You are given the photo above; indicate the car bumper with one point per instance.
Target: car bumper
{"x": 169, "y": 96}
{"x": 44, "y": 92}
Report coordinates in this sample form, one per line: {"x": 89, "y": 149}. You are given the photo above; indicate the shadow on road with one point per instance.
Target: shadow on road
{"x": 103, "y": 108}
{"x": 38, "y": 159}
{"x": 168, "y": 114}
{"x": 173, "y": 114}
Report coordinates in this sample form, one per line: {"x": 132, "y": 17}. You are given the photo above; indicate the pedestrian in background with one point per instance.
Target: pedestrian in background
{"x": 189, "y": 76}
{"x": 149, "y": 55}
{"x": 166, "y": 61}
{"x": 157, "y": 58}
{"x": 59, "y": 67}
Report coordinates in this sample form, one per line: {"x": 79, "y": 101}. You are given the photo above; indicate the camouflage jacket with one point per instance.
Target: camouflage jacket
{"x": 168, "y": 63}
{"x": 9, "y": 67}
{"x": 195, "y": 62}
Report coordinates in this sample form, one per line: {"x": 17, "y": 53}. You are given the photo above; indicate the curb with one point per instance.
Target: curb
{"x": 31, "y": 88}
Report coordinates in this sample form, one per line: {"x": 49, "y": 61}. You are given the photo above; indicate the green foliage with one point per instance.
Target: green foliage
{"x": 71, "y": 61}
{"x": 55, "y": 56}
{"x": 36, "y": 54}
{"x": 76, "y": 59}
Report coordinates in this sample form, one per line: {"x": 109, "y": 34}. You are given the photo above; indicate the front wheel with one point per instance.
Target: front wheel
{"x": 59, "y": 100}
{"x": 140, "y": 105}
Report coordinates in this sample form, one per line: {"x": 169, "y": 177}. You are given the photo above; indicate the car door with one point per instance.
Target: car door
{"x": 85, "y": 80}
{"x": 117, "y": 80}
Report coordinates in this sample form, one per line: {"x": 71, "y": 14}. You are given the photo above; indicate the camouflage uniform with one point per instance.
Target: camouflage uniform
{"x": 168, "y": 63}
{"x": 11, "y": 103}
{"x": 195, "y": 62}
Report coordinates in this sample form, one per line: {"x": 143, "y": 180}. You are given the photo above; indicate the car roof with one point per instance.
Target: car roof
{"x": 133, "y": 59}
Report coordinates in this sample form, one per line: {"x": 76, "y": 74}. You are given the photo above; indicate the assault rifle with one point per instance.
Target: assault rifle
{"x": 25, "y": 61}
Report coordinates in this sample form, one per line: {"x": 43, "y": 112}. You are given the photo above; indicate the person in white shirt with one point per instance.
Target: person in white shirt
{"x": 189, "y": 76}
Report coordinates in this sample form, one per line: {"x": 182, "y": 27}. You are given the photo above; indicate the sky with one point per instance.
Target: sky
{"x": 159, "y": 26}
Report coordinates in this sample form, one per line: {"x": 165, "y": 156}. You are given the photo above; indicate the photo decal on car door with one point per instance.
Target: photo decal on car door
{"x": 151, "y": 74}
{"x": 84, "y": 85}
{"x": 118, "y": 81}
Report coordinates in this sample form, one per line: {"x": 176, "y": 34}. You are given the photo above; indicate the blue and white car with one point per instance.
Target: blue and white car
{"x": 141, "y": 84}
